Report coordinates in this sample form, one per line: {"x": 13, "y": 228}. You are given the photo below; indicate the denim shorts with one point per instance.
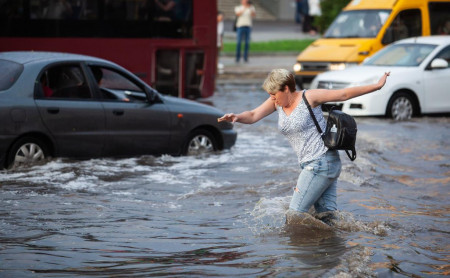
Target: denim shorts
{"x": 317, "y": 184}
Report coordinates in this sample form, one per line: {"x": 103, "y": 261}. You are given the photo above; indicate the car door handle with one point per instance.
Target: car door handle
{"x": 118, "y": 112}
{"x": 53, "y": 110}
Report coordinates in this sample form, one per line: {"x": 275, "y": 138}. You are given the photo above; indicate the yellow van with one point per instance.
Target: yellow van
{"x": 364, "y": 27}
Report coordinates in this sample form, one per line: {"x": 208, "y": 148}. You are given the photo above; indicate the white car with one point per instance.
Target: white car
{"x": 419, "y": 82}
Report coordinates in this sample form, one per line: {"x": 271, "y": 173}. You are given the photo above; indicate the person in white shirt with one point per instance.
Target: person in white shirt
{"x": 244, "y": 13}
{"x": 220, "y": 33}
{"x": 314, "y": 11}
{"x": 220, "y": 30}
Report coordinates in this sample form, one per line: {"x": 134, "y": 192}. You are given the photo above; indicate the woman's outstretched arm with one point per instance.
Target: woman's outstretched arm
{"x": 250, "y": 117}
{"x": 317, "y": 97}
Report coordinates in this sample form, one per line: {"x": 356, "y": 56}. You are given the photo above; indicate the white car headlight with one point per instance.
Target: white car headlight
{"x": 297, "y": 67}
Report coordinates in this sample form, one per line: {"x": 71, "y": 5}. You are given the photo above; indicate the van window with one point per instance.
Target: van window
{"x": 407, "y": 23}
{"x": 439, "y": 18}
{"x": 10, "y": 73}
{"x": 357, "y": 24}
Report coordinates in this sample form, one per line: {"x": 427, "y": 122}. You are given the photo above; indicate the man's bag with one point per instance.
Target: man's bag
{"x": 340, "y": 133}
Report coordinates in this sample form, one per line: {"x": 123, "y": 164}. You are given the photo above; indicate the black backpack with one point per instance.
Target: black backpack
{"x": 340, "y": 133}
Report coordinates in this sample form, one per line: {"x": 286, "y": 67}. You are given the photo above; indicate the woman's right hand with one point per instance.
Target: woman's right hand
{"x": 230, "y": 117}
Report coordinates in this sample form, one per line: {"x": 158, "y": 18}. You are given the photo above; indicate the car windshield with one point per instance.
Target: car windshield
{"x": 10, "y": 72}
{"x": 357, "y": 24}
{"x": 403, "y": 55}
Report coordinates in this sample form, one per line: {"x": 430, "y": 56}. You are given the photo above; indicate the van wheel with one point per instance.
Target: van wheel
{"x": 26, "y": 151}
{"x": 200, "y": 142}
{"x": 401, "y": 107}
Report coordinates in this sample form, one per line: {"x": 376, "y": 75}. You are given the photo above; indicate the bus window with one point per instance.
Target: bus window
{"x": 63, "y": 9}
{"x": 167, "y": 72}
{"x": 194, "y": 74}
{"x": 12, "y": 9}
{"x": 101, "y": 18}
{"x": 407, "y": 23}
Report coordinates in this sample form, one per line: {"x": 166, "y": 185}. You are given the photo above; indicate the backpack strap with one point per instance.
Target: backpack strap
{"x": 353, "y": 155}
{"x": 311, "y": 113}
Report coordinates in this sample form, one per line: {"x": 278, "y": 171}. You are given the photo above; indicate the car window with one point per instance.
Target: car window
{"x": 64, "y": 82}
{"x": 404, "y": 55}
{"x": 445, "y": 54}
{"x": 10, "y": 72}
{"x": 115, "y": 86}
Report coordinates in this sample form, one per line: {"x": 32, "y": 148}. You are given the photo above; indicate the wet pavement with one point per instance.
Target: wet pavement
{"x": 224, "y": 214}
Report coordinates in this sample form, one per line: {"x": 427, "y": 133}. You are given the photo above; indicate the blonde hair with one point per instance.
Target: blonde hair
{"x": 278, "y": 79}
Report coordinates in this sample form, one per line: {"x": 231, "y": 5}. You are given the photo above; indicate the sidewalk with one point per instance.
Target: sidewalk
{"x": 259, "y": 65}
{"x": 255, "y": 71}
{"x": 269, "y": 31}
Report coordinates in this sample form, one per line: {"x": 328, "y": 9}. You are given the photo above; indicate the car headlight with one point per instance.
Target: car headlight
{"x": 341, "y": 66}
{"x": 297, "y": 67}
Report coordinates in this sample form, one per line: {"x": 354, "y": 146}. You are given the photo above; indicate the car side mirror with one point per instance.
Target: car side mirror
{"x": 152, "y": 95}
{"x": 439, "y": 63}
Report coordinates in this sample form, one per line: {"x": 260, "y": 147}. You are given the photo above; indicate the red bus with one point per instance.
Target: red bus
{"x": 170, "y": 44}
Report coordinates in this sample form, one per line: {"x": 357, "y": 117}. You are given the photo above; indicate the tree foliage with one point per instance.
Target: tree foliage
{"x": 330, "y": 9}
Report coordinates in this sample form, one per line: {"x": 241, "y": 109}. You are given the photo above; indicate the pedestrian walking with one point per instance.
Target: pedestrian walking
{"x": 244, "y": 13}
{"x": 306, "y": 23}
{"x": 320, "y": 166}
{"x": 299, "y": 11}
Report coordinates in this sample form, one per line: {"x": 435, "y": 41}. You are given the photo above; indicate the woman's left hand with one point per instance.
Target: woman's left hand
{"x": 382, "y": 80}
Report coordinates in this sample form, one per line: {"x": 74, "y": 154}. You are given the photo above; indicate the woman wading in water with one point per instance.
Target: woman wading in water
{"x": 320, "y": 166}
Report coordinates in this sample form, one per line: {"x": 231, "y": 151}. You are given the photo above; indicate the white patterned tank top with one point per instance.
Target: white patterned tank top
{"x": 301, "y": 131}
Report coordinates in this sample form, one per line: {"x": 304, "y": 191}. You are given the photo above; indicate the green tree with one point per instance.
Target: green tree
{"x": 330, "y": 9}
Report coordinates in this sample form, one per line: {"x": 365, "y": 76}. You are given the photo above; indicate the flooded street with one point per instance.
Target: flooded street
{"x": 223, "y": 214}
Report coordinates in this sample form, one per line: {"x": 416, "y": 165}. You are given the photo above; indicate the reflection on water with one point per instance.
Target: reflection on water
{"x": 224, "y": 214}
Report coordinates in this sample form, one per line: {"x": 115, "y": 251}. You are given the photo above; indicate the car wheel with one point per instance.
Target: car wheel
{"x": 401, "y": 107}
{"x": 200, "y": 142}
{"x": 27, "y": 151}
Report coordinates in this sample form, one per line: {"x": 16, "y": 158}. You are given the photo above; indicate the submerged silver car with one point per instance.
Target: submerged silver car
{"x": 67, "y": 105}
